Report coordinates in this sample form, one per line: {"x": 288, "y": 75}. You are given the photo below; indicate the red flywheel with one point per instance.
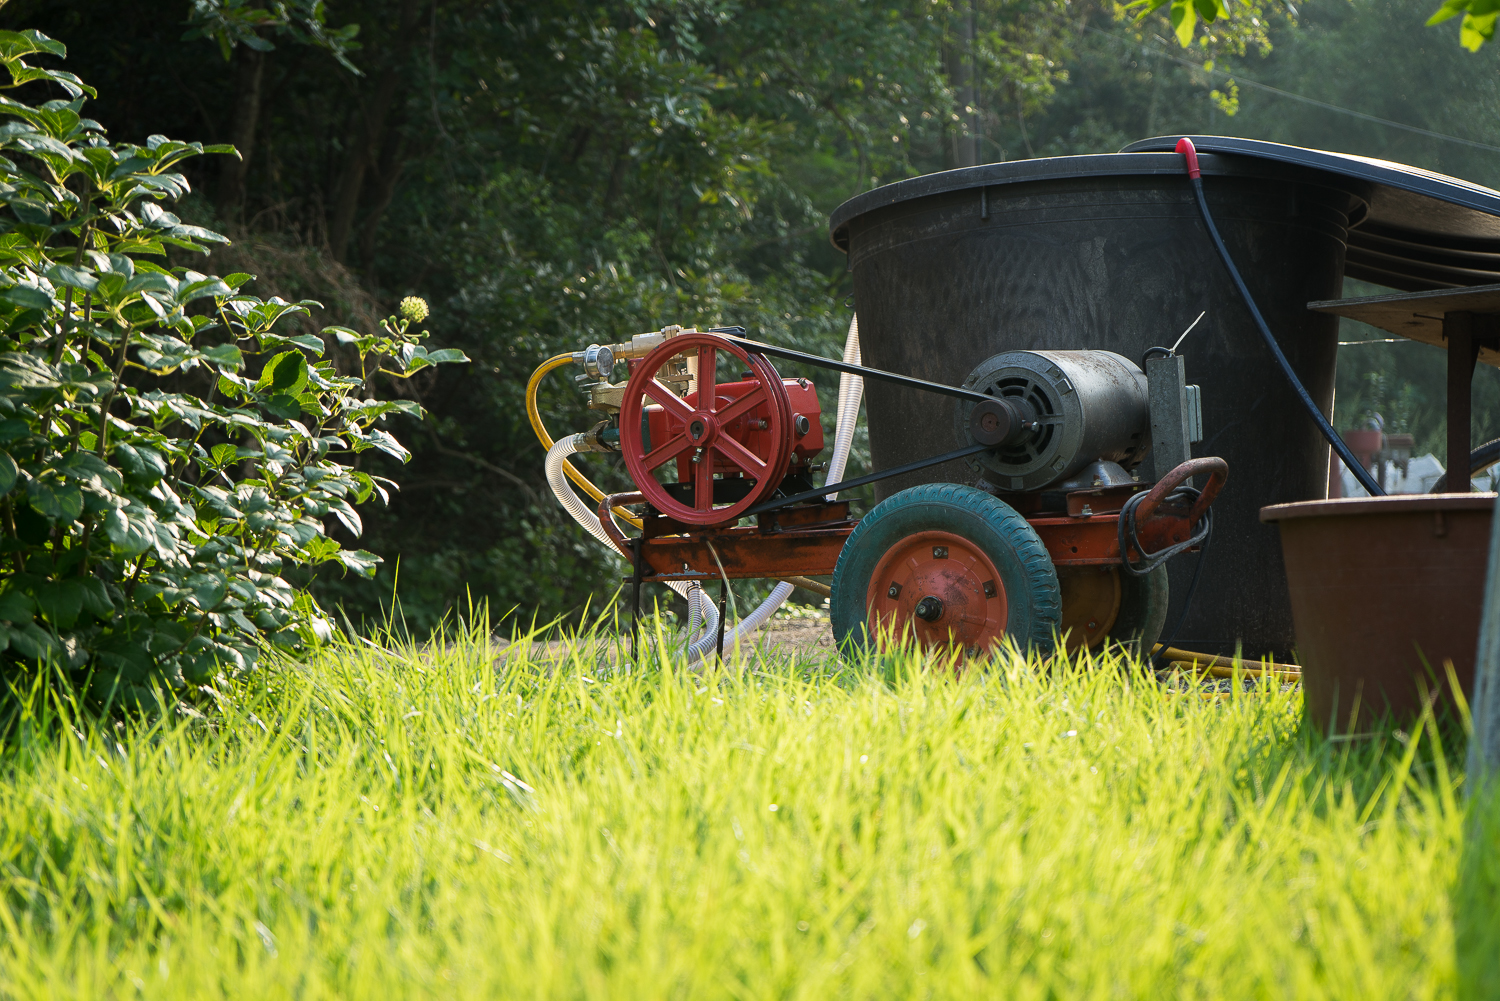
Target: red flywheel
{"x": 732, "y": 438}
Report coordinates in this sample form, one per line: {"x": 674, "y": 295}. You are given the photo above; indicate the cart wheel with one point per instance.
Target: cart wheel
{"x": 945, "y": 565}
{"x": 1091, "y": 601}
{"x": 1143, "y": 612}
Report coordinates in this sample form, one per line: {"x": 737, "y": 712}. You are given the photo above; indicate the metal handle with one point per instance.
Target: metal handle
{"x": 1218, "y": 471}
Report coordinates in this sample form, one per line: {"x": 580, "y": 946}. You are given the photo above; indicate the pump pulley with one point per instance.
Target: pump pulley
{"x": 730, "y": 441}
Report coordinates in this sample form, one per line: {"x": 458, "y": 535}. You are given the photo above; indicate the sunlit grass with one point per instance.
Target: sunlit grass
{"x": 388, "y": 822}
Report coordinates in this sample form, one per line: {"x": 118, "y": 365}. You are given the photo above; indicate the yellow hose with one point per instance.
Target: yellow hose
{"x": 1223, "y": 667}
{"x": 535, "y": 416}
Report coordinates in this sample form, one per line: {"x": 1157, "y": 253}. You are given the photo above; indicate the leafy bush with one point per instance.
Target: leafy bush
{"x": 166, "y": 456}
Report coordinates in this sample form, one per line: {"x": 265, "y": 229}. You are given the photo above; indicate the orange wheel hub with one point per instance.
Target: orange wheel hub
{"x": 1090, "y": 604}
{"x": 940, "y": 589}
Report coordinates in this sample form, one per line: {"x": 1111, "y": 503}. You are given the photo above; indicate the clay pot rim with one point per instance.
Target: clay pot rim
{"x": 1393, "y": 504}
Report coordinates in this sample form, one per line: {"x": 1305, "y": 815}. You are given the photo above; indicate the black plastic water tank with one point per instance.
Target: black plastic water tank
{"x": 1109, "y": 252}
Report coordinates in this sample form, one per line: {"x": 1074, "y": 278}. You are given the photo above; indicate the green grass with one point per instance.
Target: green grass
{"x": 391, "y": 823}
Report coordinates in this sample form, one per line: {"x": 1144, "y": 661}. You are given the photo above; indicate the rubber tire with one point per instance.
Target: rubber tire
{"x": 1143, "y": 612}
{"x": 1026, "y": 571}
{"x": 1480, "y": 459}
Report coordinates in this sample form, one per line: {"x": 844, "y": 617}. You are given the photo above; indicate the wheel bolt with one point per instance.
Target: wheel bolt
{"x": 894, "y": 592}
{"x": 929, "y": 609}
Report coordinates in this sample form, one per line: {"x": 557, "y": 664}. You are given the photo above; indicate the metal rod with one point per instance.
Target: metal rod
{"x": 859, "y": 481}
{"x": 880, "y": 375}
{"x": 1463, "y": 351}
{"x": 635, "y": 614}
{"x": 723, "y": 599}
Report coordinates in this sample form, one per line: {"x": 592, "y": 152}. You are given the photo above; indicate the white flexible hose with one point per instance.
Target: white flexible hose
{"x": 851, "y": 388}
{"x": 700, "y": 605}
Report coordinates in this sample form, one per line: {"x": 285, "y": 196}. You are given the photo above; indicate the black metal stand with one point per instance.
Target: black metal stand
{"x": 723, "y": 598}
{"x": 635, "y": 613}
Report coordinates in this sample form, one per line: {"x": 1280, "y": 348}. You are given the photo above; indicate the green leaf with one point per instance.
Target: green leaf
{"x": 16, "y": 606}
{"x": 28, "y": 296}
{"x": 1184, "y": 18}
{"x": 31, "y": 212}
{"x": 446, "y": 355}
{"x": 1476, "y": 29}
{"x": 96, "y": 600}
{"x": 132, "y": 535}
{"x": 209, "y": 589}
{"x": 347, "y": 515}
{"x": 8, "y": 473}
{"x": 222, "y": 455}
{"x": 284, "y": 406}
{"x": 309, "y": 342}
{"x": 1450, "y": 9}
{"x": 285, "y": 373}
{"x": 1209, "y": 10}
{"x": 61, "y": 274}
{"x": 143, "y": 465}
{"x": 55, "y": 501}
{"x": 226, "y": 355}
{"x": 360, "y": 561}
{"x": 33, "y": 642}
{"x": 60, "y": 601}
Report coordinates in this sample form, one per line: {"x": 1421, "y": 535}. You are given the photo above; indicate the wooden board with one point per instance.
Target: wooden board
{"x": 1419, "y": 315}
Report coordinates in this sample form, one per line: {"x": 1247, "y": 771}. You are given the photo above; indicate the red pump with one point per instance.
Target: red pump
{"x": 733, "y": 442}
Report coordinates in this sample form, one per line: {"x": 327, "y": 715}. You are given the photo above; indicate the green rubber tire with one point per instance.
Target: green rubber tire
{"x": 1033, "y": 597}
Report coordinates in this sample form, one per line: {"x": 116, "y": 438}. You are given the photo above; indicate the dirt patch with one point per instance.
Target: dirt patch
{"x": 797, "y": 634}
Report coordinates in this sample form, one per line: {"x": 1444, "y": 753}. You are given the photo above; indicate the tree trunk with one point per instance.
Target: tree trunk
{"x": 963, "y": 143}
{"x": 369, "y": 133}
{"x": 392, "y": 161}
{"x": 249, "y": 71}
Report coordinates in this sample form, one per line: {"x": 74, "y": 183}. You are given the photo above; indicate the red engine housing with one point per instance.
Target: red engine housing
{"x": 750, "y": 430}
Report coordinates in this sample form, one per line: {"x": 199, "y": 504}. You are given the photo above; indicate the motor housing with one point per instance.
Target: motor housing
{"x": 1056, "y": 412}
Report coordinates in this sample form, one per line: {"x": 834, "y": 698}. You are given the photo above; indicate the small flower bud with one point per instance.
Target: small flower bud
{"x": 414, "y": 308}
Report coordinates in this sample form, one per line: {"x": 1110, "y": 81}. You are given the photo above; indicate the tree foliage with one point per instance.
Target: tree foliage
{"x": 1248, "y": 19}
{"x": 232, "y": 23}
{"x": 169, "y": 450}
{"x": 558, "y": 174}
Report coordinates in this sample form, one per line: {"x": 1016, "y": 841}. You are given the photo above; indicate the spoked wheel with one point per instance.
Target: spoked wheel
{"x": 731, "y": 439}
{"x": 944, "y": 565}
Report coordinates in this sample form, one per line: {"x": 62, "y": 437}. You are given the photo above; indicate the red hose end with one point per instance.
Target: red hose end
{"x": 1185, "y": 147}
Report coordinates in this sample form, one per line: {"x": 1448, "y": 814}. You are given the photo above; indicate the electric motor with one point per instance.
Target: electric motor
{"x": 1055, "y": 412}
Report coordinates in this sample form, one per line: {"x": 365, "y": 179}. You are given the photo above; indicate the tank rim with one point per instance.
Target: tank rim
{"x": 1059, "y": 168}
{"x": 1389, "y": 190}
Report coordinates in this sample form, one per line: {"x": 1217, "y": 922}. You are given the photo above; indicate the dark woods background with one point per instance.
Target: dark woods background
{"x": 550, "y": 174}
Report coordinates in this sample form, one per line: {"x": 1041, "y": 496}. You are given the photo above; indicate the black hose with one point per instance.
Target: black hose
{"x": 1159, "y": 660}
{"x": 1185, "y": 147}
{"x": 1150, "y": 561}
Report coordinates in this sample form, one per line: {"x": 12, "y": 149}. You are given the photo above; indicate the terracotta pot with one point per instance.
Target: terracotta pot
{"x": 1385, "y": 591}
{"x": 1363, "y": 443}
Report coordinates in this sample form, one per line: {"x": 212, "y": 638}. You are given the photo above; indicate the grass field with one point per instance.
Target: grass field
{"x": 434, "y": 823}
